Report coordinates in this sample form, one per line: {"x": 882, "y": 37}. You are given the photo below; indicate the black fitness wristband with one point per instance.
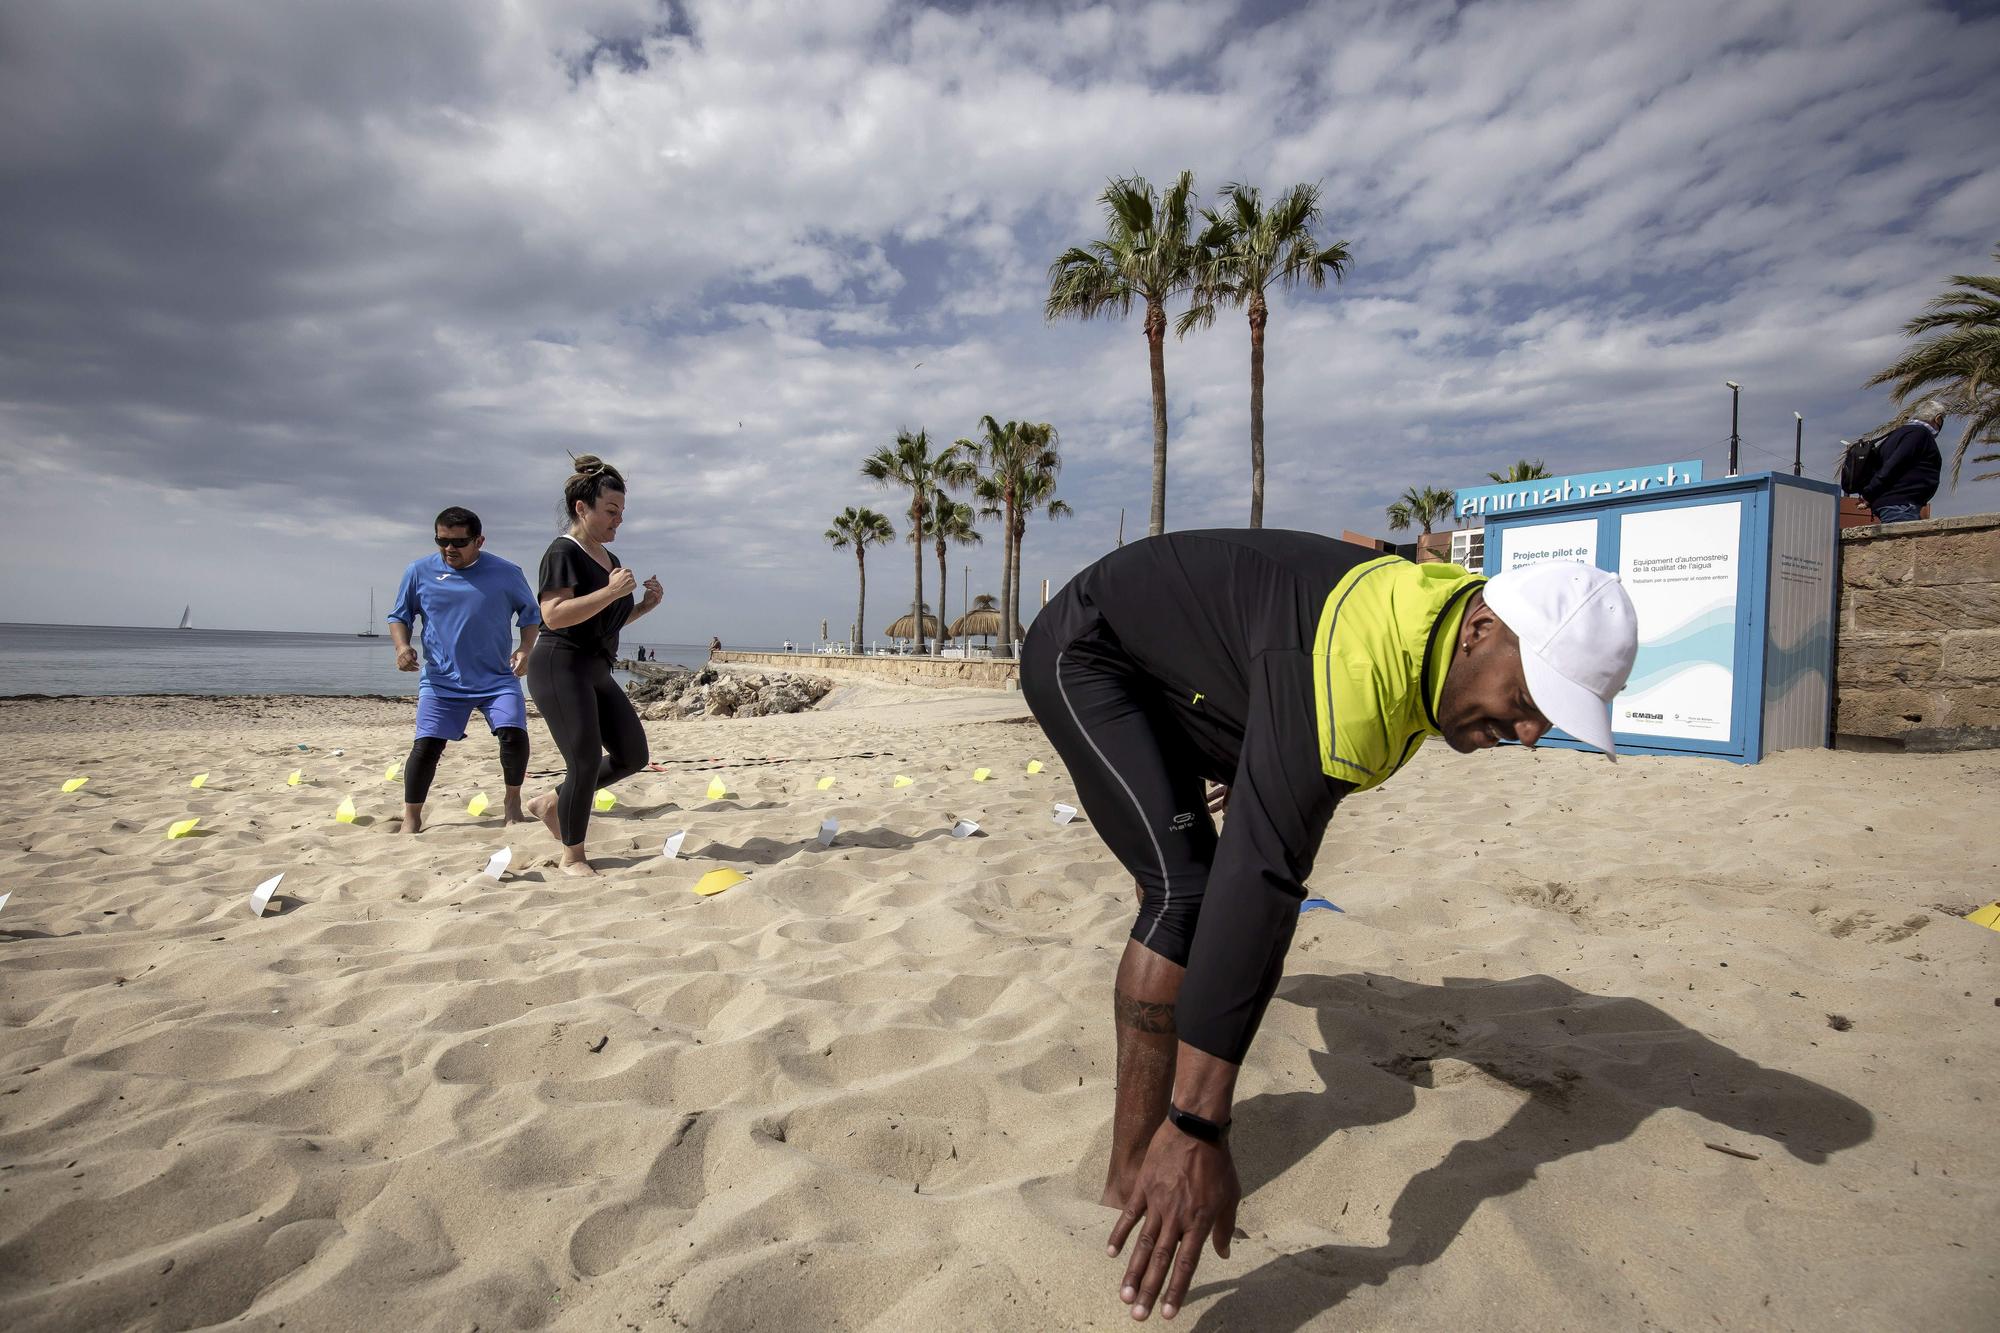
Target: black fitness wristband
{"x": 1195, "y": 1127}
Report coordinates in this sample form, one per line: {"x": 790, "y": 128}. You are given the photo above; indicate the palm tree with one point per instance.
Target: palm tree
{"x": 1522, "y": 471}
{"x": 1145, "y": 254}
{"x": 861, "y": 529}
{"x": 1011, "y": 454}
{"x": 1422, "y": 505}
{"x": 1960, "y": 363}
{"x": 910, "y": 462}
{"x": 1038, "y": 491}
{"x": 951, "y": 521}
{"x": 1245, "y": 249}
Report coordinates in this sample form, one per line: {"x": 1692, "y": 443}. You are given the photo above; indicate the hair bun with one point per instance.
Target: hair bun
{"x": 588, "y": 465}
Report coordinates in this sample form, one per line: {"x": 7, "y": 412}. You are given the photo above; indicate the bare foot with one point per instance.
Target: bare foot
{"x": 544, "y": 809}
{"x": 413, "y": 819}
{"x": 578, "y": 869}
{"x": 513, "y": 814}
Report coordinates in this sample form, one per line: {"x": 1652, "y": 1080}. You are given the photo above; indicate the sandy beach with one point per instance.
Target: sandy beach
{"x": 1671, "y": 1044}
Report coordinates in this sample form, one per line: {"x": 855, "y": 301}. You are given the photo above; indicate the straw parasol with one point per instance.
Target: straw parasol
{"x": 906, "y": 627}
{"x": 982, "y": 621}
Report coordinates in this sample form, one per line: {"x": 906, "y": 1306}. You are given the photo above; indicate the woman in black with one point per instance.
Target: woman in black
{"x": 586, "y": 598}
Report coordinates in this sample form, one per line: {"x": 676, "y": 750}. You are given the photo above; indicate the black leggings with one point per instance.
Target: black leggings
{"x": 422, "y": 765}
{"x": 1136, "y": 773}
{"x": 594, "y": 724}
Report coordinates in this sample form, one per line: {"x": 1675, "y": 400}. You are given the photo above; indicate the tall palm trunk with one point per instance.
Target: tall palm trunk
{"x": 1260, "y": 314}
{"x": 1014, "y": 561}
{"x": 1007, "y": 610}
{"x": 917, "y": 550}
{"x": 860, "y": 607}
{"x": 1156, "y": 356}
{"x": 942, "y": 619}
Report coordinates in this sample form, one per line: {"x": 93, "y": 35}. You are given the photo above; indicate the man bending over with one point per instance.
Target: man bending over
{"x": 1294, "y": 669}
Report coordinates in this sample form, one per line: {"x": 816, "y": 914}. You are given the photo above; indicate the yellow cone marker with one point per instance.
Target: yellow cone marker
{"x": 477, "y": 805}
{"x": 603, "y": 801}
{"x": 715, "y": 881}
{"x": 389, "y": 774}
{"x": 826, "y": 783}
{"x": 74, "y": 783}
{"x": 981, "y": 774}
{"x": 345, "y": 812}
{"x": 181, "y": 828}
{"x": 199, "y": 781}
{"x": 902, "y": 781}
{"x": 1987, "y": 916}
{"x": 1034, "y": 765}
{"x": 296, "y": 776}
{"x": 717, "y": 789}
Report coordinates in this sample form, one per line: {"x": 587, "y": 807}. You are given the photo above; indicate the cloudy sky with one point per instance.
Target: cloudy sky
{"x": 279, "y": 281}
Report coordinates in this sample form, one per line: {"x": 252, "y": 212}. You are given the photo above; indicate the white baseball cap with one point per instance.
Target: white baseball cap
{"x": 1578, "y": 636}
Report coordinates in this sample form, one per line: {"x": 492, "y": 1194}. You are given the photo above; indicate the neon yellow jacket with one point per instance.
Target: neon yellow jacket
{"x": 1378, "y": 667}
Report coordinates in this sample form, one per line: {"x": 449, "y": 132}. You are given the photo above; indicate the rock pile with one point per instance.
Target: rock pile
{"x": 712, "y": 693}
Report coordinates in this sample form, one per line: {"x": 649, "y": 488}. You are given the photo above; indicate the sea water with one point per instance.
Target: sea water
{"x": 106, "y": 659}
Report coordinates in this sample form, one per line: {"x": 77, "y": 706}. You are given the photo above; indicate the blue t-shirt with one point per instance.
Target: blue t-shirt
{"x": 469, "y": 616}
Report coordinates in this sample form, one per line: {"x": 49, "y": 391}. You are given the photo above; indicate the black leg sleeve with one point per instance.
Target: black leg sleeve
{"x": 420, "y": 768}
{"x": 513, "y": 755}
{"x": 1134, "y": 776}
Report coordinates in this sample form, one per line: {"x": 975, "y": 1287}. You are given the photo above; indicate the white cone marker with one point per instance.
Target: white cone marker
{"x": 260, "y": 901}
{"x": 964, "y": 828}
{"x": 826, "y": 832}
{"x": 672, "y": 848}
{"x": 1064, "y": 813}
{"x": 3, "y": 899}
{"x": 496, "y": 865}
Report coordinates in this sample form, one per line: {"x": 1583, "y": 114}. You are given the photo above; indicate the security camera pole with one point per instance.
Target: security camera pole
{"x": 1735, "y": 395}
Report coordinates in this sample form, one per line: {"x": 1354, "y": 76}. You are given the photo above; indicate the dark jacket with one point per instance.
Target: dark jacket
{"x": 1908, "y": 472}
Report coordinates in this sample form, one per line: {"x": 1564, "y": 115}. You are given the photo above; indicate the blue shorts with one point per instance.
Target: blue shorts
{"x": 445, "y": 717}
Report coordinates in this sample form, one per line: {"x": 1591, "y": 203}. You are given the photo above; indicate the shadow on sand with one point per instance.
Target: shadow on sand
{"x": 1594, "y": 1068}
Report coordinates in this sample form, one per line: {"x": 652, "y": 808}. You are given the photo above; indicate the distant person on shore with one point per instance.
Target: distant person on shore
{"x": 586, "y": 599}
{"x": 469, "y": 603}
{"x": 1294, "y": 669}
{"x": 715, "y": 644}
{"x": 1906, "y": 477}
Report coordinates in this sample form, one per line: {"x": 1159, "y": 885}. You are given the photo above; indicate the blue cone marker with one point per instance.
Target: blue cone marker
{"x": 1311, "y": 903}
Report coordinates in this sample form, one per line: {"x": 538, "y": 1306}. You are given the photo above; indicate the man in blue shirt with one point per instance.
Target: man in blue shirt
{"x": 469, "y": 603}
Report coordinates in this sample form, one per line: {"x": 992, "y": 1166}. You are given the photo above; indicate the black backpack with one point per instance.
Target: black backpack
{"x": 1859, "y": 463}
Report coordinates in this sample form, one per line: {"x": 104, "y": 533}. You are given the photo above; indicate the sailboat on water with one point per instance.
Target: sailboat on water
{"x": 187, "y": 617}
{"x": 369, "y": 631}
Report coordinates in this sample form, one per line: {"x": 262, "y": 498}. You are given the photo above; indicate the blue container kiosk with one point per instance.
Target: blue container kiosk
{"x": 1736, "y": 583}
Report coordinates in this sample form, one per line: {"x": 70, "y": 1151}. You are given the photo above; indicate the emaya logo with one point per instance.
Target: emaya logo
{"x": 1510, "y": 497}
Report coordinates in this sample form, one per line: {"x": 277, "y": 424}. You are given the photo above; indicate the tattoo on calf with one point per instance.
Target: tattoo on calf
{"x": 1142, "y": 1015}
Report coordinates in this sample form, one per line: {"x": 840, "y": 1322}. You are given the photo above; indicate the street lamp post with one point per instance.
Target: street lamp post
{"x": 1735, "y": 396}
{"x": 1798, "y": 444}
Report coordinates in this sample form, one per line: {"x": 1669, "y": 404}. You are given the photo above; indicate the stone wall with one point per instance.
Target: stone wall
{"x": 978, "y": 672}
{"x": 1919, "y": 655}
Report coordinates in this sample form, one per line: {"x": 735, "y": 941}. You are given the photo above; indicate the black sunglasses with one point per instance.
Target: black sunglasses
{"x": 455, "y": 543}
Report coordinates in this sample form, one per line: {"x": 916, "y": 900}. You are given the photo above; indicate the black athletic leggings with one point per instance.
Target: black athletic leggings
{"x": 594, "y": 724}
{"x": 422, "y": 765}
{"x": 1136, "y": 773}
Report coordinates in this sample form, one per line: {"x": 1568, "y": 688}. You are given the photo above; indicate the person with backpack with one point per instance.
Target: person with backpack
{"x": 1906, "y": 465}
